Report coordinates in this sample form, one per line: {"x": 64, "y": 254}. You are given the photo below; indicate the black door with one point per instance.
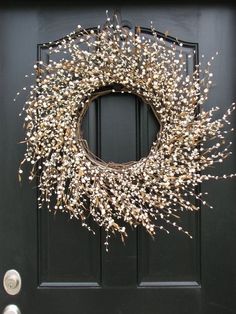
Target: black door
{"x": 64, "y": 268}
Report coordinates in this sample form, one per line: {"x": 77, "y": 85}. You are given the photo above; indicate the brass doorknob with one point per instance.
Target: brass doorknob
{"x": 12, "y": 282}
{"x": 11, "y": 309}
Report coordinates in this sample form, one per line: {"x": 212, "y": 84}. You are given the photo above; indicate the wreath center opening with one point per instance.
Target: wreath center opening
{"x": 119, "y": 128}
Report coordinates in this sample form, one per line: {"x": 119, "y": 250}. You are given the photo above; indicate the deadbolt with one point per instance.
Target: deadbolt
{"x": 12, "y": 282}
{"x": 11, "y": 309}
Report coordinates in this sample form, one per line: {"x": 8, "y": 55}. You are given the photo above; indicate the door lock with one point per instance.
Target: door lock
{"x": 11, "y": 309}
{"x": 12, "y": 282}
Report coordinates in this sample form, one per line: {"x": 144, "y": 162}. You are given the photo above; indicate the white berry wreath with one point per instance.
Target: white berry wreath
{"x": 151, "y": 191}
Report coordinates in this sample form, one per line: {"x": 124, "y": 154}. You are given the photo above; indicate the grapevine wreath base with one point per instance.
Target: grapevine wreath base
{"x": 151, "y": 191}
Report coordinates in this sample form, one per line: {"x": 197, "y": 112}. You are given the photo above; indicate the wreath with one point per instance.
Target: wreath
{"x": 151, "y": 191}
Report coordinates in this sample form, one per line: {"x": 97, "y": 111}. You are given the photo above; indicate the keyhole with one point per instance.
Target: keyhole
{"x": 12, "y": 283}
